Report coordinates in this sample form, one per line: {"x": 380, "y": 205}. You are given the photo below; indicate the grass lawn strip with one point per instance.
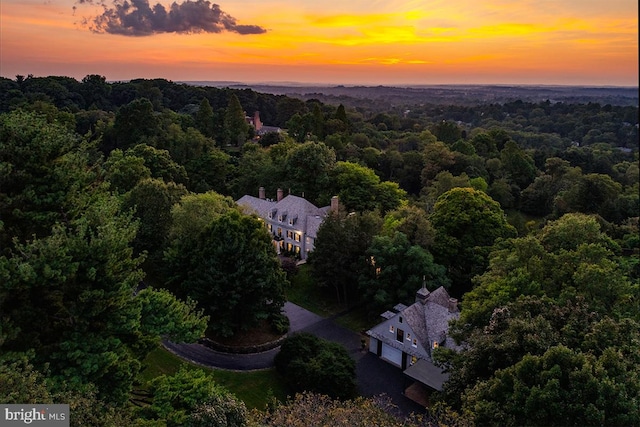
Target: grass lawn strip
{"x": 254, "y": 388}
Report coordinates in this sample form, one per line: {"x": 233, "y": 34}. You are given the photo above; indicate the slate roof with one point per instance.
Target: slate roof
{"x": 308, "y": 216}
{"x": 427, "y": 373}
{"x": 429, "y": 322}
{"x": 255, "y": 205}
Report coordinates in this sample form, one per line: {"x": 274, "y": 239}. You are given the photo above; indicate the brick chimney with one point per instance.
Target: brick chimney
{"x": 334, "y": 204}
{"x": 280, "y": 193}
{"x": 256, "y": 121}
{"x": 261, "y": 193}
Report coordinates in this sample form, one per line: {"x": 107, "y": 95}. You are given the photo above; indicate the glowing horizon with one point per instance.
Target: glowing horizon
{"x": 546, "y": 42}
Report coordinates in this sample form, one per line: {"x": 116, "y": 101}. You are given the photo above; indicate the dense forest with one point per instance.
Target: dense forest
{"x": 118, "y": 228}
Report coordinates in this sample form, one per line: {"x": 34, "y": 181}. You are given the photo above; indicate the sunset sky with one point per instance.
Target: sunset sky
{"x": 393, "y": 42}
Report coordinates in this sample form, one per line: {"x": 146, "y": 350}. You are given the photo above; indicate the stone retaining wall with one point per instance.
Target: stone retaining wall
{"x": 259, "y": 348}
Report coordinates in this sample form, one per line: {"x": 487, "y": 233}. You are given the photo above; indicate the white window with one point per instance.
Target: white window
{"x": 408, "y": 336}
{"x": 391, "y": 329}
{"x": 414, "y": 343}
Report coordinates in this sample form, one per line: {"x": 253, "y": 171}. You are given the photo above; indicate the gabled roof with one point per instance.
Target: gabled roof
{"x": 308, "y": 216}
{"x": 429, "y": 321}
{"x": 260, "y": 207}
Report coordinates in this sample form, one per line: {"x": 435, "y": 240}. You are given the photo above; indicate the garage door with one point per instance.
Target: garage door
{"x": 392, "y": 355}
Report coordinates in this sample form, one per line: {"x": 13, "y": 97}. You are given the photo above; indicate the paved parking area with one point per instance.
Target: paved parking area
{"x": 375, "y": 377}
{"x": 299, "y": 318}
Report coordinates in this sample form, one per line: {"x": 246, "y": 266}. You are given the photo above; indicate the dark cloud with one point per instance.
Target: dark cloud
{"x": 138, "y": 18}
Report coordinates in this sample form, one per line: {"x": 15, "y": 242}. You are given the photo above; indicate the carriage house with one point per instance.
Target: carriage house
{"x": 407, "y": 336}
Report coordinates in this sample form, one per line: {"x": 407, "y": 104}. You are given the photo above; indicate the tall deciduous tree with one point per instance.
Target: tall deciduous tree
{"x": 160, "y": 163}
{"x": 135, "y": 123}
{"x": 67, "y": 291}
{"x": 339, "y": 252}
{"x": 232, "y": 270}
{"x": 467, "y": 223}
{"x": 124, "y": 171}
{"x": 360, "y": 189}
{"x": 518, "y": 165}
{"x": 152, "y": 201}
{"x": 311, "y": 363}
{"x": 558, "y": 388}
{"x": 413, "y": 222}
{"x": 308, "y": 168}
{"x": 395, "y": 270}
{"x": 569, "y": 257}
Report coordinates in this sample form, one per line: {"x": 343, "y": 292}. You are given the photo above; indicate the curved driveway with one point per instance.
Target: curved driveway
{"x": 375, "y": 377}
{"x": 299, "y": 319}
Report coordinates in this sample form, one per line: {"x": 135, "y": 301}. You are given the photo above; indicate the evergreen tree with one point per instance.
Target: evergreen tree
{"x": 235, "y": 125}
{"x": 205, "y": 119}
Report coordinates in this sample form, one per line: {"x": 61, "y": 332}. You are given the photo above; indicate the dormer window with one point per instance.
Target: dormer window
{"x": 391, "y": 329}
{"x": 414, "y": 343}
{"x": 293, "y": 220}
{"x": 272, "y": 213}
{"x": 435, "y": 344}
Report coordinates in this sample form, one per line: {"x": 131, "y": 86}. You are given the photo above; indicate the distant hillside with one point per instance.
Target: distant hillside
{"x": 444, "y": 94}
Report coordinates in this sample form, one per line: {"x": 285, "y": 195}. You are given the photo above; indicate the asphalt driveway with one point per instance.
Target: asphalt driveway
{"x": 375, "y": 377}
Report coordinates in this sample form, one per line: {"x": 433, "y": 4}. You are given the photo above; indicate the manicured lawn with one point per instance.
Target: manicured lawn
{"x": 254, "y": 388}
{"x": 304, "y": 292}
{"x": 357, "y": 320}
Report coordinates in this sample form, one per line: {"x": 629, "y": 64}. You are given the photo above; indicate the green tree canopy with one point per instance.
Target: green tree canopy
{"x": 308, "y": 169}
{"x": 135, "y": 123}
{"x": 190, "y": 397}
{"x": 313, "y": 364}
{"x": 360, "y": 189}
{"x": 195, "y": 212}
{"x": 395, "y": 270}
{"x": 236, "y": 127}
{"x": 558, "y": 388}
{"x": 152, "y": 200}
{"x": 518, "y": 165}
{"x": 231, "y": 269}
{"x": 67, "y": 291}
{"x": 124, "y": 171}
{"x": 483, "y": 374}
{"x": 45, "y": 170}
{"x": 413, "y": 222}
{"x": 467, "y": 223}
{"x": 205, "y": 119}
{"x": 160, "y": 163}
{"x": 568, "y": 257}
{"x": 339, "y": 252}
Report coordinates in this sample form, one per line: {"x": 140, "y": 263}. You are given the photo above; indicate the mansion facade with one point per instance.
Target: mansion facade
{"x": 292, "y": 221}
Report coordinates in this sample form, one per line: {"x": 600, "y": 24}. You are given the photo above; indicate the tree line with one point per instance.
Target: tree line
{"x": 106, "y": 188}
